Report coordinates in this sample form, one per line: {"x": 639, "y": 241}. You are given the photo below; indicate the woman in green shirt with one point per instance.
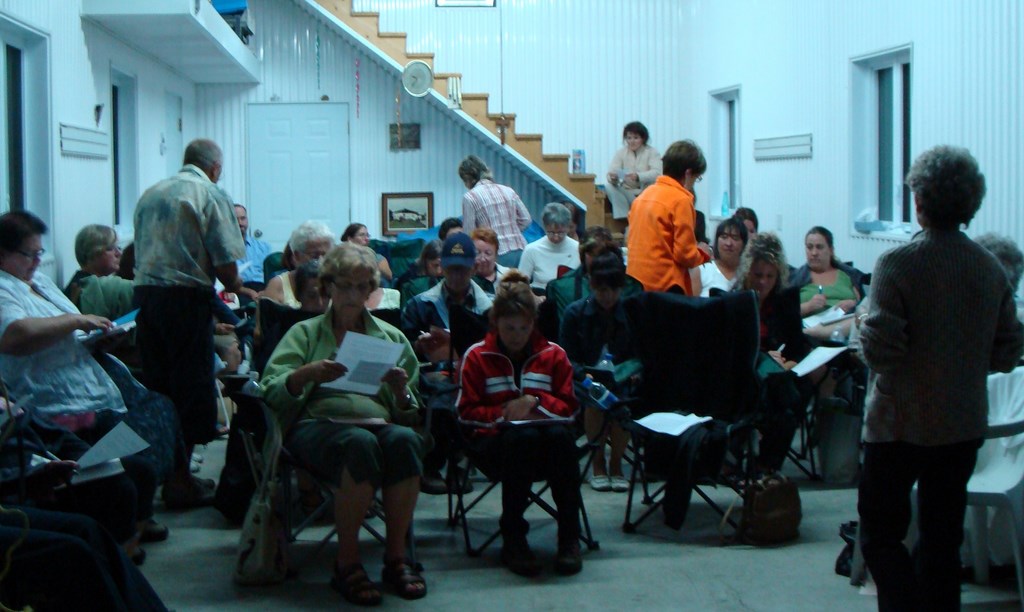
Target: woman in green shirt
{"x": 359, "y": 442}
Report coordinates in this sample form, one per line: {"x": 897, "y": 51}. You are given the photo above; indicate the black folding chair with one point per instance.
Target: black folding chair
{"x": 699, "y": 358}
{"x": 458, "y": 514}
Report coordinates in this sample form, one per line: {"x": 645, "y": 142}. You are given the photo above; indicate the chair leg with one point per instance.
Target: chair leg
{"x": 979, "y": 543}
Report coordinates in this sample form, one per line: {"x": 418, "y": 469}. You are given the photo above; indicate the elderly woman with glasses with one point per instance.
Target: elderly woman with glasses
{"x": 357, "y": 443}
{"x": 48, "y": 369}
{"x": 542, "y": 259}
{"x": 310, "y": 241}
{"x": 96, "y": 288}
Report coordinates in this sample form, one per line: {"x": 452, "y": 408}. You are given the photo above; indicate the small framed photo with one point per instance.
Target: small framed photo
{"x": 404, "y": 137}
{"x": 406, "y": 212}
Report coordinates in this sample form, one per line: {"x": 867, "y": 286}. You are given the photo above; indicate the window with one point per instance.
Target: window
{"x": 123, "y": 147}
{"x": 24, "y": 120}
{"x": 724, "y": 152}
{"x": 880, "y": 142}
{"x": 14, "y": 194}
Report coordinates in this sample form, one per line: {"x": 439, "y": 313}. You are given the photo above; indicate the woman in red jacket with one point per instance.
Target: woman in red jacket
{"x": 517, "y": 395}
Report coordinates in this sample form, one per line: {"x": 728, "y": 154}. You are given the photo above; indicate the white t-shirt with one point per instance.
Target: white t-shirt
{"x": 712, "y": 278}
{"x": 541, "y": 259}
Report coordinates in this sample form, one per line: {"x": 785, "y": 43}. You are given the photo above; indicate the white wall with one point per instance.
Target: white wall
{"x": 305, "y": 58}
{"x": 577, "y": 70}
{"x": 792, "y": 60}
{"x": 81, "y": 56}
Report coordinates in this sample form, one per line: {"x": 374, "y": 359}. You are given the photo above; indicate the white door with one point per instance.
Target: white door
{"x": 298, "y": 168}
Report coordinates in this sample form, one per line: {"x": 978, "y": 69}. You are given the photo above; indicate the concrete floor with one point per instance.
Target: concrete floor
{"x": 653, "y": 569}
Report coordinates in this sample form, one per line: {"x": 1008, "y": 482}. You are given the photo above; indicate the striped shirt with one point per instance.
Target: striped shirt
{"x": 498, "y": 207}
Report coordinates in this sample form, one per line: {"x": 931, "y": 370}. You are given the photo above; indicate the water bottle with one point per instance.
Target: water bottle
{"x": 604, "y": 398}
{"x": 837, "y": 335}
{"x": 251, "y": 386}
{"x": 605, "y": 363}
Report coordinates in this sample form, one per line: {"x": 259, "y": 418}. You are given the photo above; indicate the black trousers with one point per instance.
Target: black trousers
{"x": 69, "y": 562}
{"x": 941, "y": 473}
{"x": 522, "y": 455}
{"x": 175, "y": 338}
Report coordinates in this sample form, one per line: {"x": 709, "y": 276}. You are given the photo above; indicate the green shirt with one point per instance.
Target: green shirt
{"x": 312, "y": 340}
{"x": 841, "y": 290}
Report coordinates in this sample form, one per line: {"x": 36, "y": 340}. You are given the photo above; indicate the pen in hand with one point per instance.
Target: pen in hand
{"x": 781, "y": 348}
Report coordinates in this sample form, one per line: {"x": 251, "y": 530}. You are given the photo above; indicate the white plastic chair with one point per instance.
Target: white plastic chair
{"x": 998, "y": 478}
{"x": 998, "y": 481}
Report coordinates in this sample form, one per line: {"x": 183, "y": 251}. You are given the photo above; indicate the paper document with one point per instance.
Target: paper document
{"x": 828, "y": 317}
{"x": 671, "y": 423}
{"x": 817, "y": 358}
{"x": 537, "y": 422}
{"x": 104, "y": 458}
{"x": 122, "y": 325}
{"x": 368, "y": 359}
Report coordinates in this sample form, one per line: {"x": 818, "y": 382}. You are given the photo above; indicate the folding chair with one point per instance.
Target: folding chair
{"x": 707, "y": 348}
{"x": 458, "y": 515}
{"x": 289, "y": 467}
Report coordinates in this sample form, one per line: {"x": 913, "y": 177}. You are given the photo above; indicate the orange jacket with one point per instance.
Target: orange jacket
{"x": 662, "y": 245}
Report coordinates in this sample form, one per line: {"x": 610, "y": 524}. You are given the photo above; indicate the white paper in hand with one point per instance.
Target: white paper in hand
{"x": 817, "y": 358}
{"x": 368, "y": 359}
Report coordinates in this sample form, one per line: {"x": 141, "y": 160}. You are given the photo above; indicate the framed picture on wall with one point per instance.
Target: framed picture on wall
{"x": 406, "y": 212}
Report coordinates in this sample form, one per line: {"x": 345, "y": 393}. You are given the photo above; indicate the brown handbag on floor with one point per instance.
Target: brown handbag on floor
{"x": 771, "y": 511}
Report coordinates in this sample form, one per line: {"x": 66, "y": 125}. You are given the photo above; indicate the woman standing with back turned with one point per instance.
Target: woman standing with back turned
{"x": 942, "y": 317}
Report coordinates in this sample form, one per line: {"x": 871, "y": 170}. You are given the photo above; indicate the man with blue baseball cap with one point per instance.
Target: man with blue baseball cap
{"x": 428, "y": 320}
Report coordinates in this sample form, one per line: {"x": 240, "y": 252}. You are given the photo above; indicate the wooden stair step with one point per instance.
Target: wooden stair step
{"x": 556, "y": 157}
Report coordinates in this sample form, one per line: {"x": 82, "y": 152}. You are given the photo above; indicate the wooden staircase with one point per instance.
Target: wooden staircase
{"x": 530, "y": 146}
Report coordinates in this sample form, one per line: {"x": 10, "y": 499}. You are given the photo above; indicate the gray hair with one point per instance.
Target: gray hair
{"x": 91, "y": 241}
{"x": 1008, "y": 254}
{"x": 473, "y": 169}
{"x": 766, "y": 247}
{"x": 309, "y": 231}
{"x": 555, "y": 213}
{"x": 948, "y": 186}
{"x": 203, "y": 153}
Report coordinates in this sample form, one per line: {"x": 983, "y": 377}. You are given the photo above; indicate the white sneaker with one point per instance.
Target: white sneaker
{"x": 600, "y": 483}
{"x": 619, "y": 484}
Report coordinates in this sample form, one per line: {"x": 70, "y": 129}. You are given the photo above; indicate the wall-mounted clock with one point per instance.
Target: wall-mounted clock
{"x": 417, "y": 78}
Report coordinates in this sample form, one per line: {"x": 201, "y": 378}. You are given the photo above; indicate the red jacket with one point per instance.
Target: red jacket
{"x": 488, "y": 381}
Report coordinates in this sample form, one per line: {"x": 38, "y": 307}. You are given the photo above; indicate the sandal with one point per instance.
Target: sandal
{"x": 402, "y": 575}
{"x": 354, "y": 585}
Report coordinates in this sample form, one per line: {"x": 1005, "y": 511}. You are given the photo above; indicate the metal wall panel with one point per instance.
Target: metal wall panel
{"x": 80, "y": 59}
{"x": 305, "y": 59}
{"x": 576, "y": 70}
{"x": 795, "y": 70}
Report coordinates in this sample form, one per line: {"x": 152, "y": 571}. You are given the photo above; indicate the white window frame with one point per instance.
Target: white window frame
{"x": 724, "y": 152}
{"x": 871, "y": 212}
{"x": 36, "y": 132}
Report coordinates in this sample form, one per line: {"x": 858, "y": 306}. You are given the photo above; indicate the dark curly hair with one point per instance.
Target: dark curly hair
{"x": 948, "y": 186}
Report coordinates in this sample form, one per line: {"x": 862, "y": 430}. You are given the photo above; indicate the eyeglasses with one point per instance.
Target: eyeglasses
{"x": 554, "y": 234}
{"x": 33, "y": 255}
{"x": 699, "y": 179}
{"x": 345, "y": 287}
